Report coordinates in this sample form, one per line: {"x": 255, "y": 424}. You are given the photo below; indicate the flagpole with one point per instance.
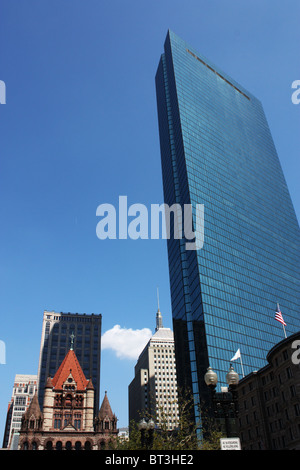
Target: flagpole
{"x": 279, "y": 317}
{"x": 284, "y": 330}
{"x": 242, "y": 365}
{"x": 235, "y": 357}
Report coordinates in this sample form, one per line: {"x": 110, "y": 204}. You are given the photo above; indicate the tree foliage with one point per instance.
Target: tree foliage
{"x": 188, "y": 435}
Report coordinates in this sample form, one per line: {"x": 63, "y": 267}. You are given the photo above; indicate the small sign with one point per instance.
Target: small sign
{"x": 230, "y": 443}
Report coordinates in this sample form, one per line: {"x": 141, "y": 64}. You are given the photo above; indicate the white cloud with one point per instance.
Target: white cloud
{"x": 126, "y": 342}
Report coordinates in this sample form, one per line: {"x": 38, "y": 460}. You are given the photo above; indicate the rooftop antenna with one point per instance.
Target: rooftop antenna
{"x": 159, "y": 323}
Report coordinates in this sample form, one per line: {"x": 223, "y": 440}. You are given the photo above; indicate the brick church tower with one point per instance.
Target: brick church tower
{"x": 68, "y": 418}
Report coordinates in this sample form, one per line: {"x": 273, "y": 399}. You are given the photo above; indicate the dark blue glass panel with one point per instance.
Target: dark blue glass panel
{"x": 217, "y": 150}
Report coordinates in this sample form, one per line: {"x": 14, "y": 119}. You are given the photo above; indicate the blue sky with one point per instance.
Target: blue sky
{"x": 79, "y": 129}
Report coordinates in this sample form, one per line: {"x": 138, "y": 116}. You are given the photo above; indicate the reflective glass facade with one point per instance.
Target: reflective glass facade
{"x": 217, "y": 150}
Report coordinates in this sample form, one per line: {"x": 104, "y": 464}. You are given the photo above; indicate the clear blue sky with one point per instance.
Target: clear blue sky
{"x": 79, "y": 128}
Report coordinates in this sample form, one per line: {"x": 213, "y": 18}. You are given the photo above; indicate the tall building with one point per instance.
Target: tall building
{"x": 217, "y": 151}
{"x": 68, "y": 420}
{"x": 57, "y": 330}
{"x": 24, "y": 389}
{"x": 154, "y": 387}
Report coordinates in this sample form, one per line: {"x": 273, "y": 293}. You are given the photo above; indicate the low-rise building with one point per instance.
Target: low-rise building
{"x": 269, "y": 400}
{"x": 67, "y": 420}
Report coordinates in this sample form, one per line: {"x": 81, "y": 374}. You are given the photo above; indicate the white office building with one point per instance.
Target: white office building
{"x": 25, "y": 386}
{"x": 154, "y": 387}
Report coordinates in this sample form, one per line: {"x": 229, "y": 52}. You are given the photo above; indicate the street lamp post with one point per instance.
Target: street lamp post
{"x": 225, "y": 404}
{"x": 147, "y": 433}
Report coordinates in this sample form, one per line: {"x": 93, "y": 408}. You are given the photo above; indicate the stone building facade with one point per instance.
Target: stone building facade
{"x": 269, "y": 400}
{"x": 68, "y": 420}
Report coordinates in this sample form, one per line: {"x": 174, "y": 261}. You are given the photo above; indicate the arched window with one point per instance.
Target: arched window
{"x": 68, "y": 418}
{"x": 87, "y": 446}
{"x": 25, "y": 445}
{"x": 78, "y": 445}
{"x": 34, "y": 445}
{"x": 49, "y": 445}
{"x": 68, "y": 445}
{"x": 77, "y": 423}
{"x": 58, "y": 445}
{"x": 68, "y": 400}
{"x": 57, "y": 423}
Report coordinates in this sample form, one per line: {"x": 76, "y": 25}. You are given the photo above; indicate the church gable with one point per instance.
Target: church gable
{"x": 70, "y": 383}
{"x": 68, "y": 419}
{"x": 69, "y": 374}
{"x": 106, "y": 421}
{"x": 33, "y": 417}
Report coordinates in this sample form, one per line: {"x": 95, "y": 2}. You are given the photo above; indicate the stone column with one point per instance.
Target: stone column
{"x": 48, "y": 406}
{"x": 89, "y": 407}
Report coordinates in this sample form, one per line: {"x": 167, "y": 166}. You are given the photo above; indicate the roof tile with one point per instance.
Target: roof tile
{"x": 69, "y": 365}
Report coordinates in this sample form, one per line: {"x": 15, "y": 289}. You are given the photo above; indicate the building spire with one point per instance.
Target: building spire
{"x": 72, "y": 336}
{"x": 159, "y": 323}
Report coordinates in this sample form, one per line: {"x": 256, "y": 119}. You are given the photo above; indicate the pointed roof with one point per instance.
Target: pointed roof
{"x": 33, "y": 409}
{"x": 70, "y": 365}
{"x": 161, "y": 333}
{"x": 159, "y": 323}
{"x": 49, "y": 383}
{"x": 90, "y": 385}
{"x": 105, "y": 409}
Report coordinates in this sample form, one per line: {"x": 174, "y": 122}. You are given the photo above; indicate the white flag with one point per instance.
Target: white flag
{"x": 237, "y": 355}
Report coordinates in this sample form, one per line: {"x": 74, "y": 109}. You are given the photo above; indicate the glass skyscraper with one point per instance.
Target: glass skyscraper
{"x": 217, "y": 150}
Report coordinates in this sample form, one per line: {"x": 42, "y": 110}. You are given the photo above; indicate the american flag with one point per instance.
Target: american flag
{"x": 278, "y": 316}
